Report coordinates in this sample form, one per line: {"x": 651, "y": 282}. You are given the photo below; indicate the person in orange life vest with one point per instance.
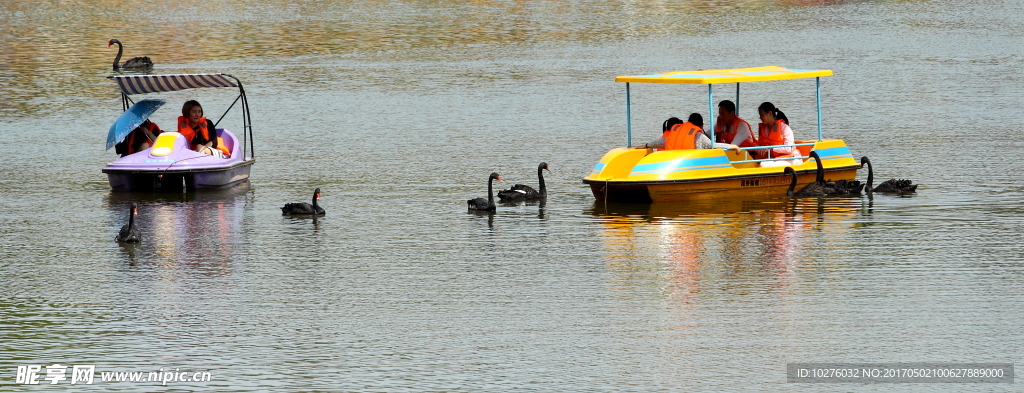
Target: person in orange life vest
{"x": 199, "y": 131}
{"x": 730, "y": 129}
{"x": 679, "y": 135}
{"x": 774, "y": 130}
{"x": 141, "y": 138}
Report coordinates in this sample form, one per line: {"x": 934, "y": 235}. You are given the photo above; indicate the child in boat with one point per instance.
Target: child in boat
{"x": 678, "y": 135}
{"x": 141, "y": 138}
{"x": 774, "y": 130}
{"x": 199, "y": 131}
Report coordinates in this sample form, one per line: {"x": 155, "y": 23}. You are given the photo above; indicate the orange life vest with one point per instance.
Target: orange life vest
{"x": 682, "y": 137}
{"x": 726, "y": 136}
{"x": 203, "y": 130}
{"x": 130, "y": 141}
{"x": 773, "y": 135}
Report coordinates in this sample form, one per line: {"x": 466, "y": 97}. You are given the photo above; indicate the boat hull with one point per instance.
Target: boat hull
{"x": 639, "y": 175}
{"x": 178, "y": 180}
{"x": 175, "y": 167}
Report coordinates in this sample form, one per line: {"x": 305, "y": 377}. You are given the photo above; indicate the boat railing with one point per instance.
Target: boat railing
{"x": 769, "y": 152}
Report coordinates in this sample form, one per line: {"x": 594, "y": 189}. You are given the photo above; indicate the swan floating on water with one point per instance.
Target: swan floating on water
{"x": 820, "y": 187}
{"x": 135, "y": 62}
{"x": 813, "y": 189}
{"x": 129, "y": 233}
{"x": 481, "y": 204}
{"x": 891, "y": 186}
{"x": 303, "y": 208}
{"x": 520, "y": 192}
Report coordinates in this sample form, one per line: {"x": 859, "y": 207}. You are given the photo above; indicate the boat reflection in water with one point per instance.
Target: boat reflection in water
{"x": 722, "y": 242}
{"x": 194, "y": 229}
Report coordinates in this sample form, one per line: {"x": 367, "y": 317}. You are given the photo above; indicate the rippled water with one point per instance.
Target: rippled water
{"x": 399, "y": 110}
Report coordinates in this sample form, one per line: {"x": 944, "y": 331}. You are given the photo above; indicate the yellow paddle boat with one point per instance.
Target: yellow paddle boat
{"x": 645, "y": 175}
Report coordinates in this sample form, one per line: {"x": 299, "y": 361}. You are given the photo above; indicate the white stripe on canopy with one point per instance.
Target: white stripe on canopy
{"x": 141, "y": 84}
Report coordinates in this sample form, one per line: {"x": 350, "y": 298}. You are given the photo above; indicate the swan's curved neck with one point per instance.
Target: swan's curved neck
{"x": 315, "y": 197}
{"x": 490, "y": 192}
{"x": 118, "y": 57}
{"x": 540, "y": 177}
{"x": 131, "y": 219}
{"x": 871, "y": 176}
{"x": 792, "y": 184}
{"x": 821, "y": 170}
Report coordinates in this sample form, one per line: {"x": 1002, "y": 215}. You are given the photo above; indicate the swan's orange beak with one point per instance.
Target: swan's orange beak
{"x": 135, "y": 211}
{"x": 108, "y": 45}
{"x": 318, "y": 195}
{"x": 499, "y": 178}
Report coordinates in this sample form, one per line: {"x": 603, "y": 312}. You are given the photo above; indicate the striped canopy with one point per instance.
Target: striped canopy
{"x": 141, "y": 84}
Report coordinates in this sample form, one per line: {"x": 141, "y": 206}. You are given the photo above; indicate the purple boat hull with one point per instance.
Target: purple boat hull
{"x": 170, "y": 165}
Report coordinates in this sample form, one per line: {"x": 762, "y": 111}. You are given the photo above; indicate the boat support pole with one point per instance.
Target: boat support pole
{"x": 711, "y": 116}
{"x": 817, "y": 97}
{"x": 737, "y": 98}
{"x": 629, "y": 124}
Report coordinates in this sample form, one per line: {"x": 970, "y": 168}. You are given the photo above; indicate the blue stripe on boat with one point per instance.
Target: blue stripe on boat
{"x": 686, "y": 164}
{"x": 834, "y": 153}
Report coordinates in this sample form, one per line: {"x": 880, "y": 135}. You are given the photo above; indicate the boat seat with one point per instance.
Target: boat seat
{"x": 805, "y": 150}
{"x": 225, "y": 140}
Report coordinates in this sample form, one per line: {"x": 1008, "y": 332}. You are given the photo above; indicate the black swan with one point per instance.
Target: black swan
{"x": 481, "y": 204}
{"x": 838, "y": 187}
{"x": 813, "y": 189}
{"x": 893, "y": 186}
{"x": 820, "y": 187}
{"x": 135, "y": 62}
{"x": 521, "y": 191}
{"x": 303, "y": 208}
{"x": 129, "y": 233}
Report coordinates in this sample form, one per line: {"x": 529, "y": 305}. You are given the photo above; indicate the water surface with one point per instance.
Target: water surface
{"x": 399, "y": 110}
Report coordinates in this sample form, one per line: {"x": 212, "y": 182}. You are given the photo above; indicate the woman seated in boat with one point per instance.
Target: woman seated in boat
{"x": 199, "y": 131}
{"x": 680, "y": 135}
{"x": 141, "y": 138}
{"x": 774, "y": 130}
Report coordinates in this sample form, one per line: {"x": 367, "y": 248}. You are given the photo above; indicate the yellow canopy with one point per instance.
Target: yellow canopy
{"x": 735, "y": 75}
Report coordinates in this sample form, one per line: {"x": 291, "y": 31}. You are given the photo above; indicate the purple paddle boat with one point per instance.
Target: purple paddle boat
{"x": 170, "y": 165}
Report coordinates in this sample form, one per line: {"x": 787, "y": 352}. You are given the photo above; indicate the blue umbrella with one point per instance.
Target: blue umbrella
{"x": 130, "y": 119}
